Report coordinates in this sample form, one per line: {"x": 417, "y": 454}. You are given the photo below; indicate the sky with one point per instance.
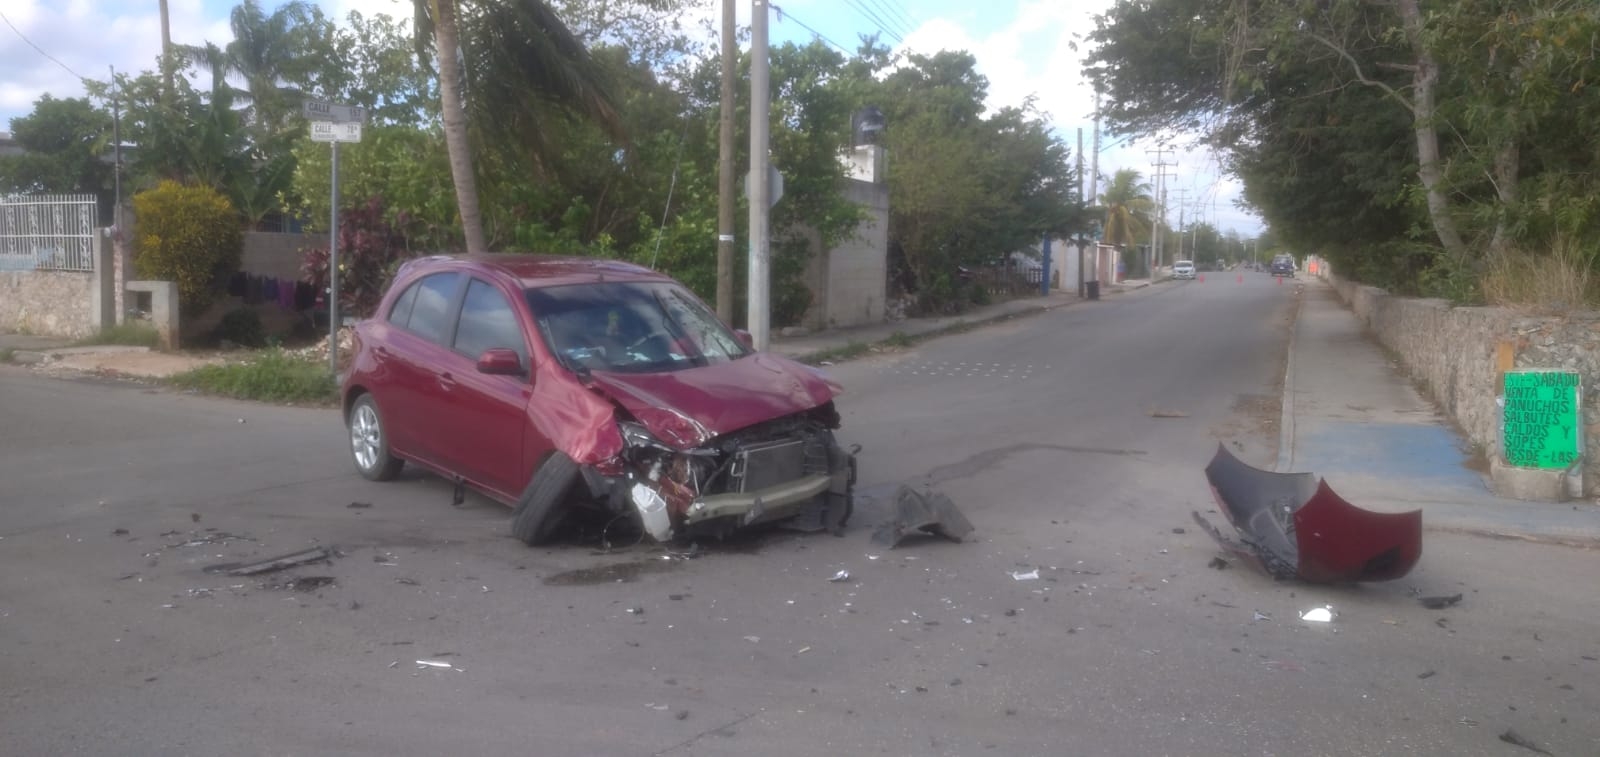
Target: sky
{"x": 1025, "y": 48}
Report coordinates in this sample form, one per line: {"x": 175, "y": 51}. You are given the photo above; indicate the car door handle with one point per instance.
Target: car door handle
{"x": 447, "y": 382}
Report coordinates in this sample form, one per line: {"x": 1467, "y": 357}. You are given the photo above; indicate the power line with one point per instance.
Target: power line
{"x": 884, "y": 14}
{"x": 898, "y": 10}
{"x": 41, "y": 51}
{"x": 784, "y": 15}
{"x": 873, "y": 18}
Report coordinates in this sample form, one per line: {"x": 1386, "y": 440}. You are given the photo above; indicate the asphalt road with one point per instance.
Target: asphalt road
{"x": 1042, "y": 429}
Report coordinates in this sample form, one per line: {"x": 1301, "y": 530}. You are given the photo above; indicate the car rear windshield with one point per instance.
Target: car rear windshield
{"x": 631, "y": 327}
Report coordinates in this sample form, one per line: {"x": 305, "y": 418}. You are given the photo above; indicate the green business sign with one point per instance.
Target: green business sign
{"x": 1541, "y": 419}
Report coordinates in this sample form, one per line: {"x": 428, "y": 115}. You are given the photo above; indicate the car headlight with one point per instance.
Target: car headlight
{"x": 636, "y": 435}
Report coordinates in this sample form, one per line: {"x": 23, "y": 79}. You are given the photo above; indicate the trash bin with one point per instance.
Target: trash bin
{"x": 1092, "y": 289}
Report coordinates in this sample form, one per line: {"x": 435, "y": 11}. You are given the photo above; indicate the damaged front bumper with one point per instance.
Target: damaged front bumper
{"x": 789, "y": 472}
{"x": 1293, "y": 525}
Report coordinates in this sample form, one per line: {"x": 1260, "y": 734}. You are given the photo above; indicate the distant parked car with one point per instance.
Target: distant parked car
{"x": 1283, "y": 265}
{"x": 553, "y": 384}
{"x": 1183, "y": 269}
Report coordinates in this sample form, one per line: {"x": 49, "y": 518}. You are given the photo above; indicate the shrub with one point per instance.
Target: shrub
{"x": 190, "y": 235}
{"x": 371, "y": 248}
{"x": 131, "y": 333}
{"x": 242, "y": 327}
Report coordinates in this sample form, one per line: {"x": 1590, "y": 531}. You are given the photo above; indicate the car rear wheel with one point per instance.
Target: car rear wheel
{"x": 543, "y": 506}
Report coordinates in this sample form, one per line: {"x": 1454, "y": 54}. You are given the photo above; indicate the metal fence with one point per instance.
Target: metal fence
{"x": 48, "y": 232}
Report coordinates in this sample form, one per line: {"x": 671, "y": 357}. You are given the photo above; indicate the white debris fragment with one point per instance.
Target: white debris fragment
{"x": 434, "y": 664}
{"x": 1032, "y": 575}
{"x": 753, "y": 639}
{"x": 1323, "y": 614}
{"x": 840, "y": 577}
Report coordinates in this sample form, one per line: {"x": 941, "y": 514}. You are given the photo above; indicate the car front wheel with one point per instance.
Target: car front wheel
{"x": 369, "y": 443}
{"x": 543, "y": 506}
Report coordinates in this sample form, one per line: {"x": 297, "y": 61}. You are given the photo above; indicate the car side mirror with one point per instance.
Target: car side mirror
{"x": 745, "y": 338}
{"x": 500, "y": 361}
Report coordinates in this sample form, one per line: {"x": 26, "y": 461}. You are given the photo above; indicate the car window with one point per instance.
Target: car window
{"x": 488, "y": 321}
{"x": 631, "y": 327}
{"x": 430, "y": 316}
{"x": 401, "y": 312}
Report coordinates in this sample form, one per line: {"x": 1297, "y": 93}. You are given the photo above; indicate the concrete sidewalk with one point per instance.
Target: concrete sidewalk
{"x": 1353, "y": 418}
{"x": 819, "y": 343}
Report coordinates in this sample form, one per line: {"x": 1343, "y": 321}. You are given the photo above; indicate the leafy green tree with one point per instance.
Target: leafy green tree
{"x": 66, "y": 150}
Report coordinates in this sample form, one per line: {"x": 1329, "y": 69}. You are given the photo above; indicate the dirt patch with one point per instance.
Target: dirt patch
{"x": 622, "y": 572}
{"x": 130, "y": 364}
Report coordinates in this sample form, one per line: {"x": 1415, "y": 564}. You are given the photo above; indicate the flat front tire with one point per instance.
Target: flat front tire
{"x": 544, "y": 504}
{"x": 369, "y": 442}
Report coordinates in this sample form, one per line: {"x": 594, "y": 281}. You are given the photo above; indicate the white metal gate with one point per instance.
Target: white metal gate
{"x": 47, "y": 232}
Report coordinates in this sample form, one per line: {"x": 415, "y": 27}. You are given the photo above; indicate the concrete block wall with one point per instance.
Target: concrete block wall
{"x": 858, "y": 268}
{"x": 1453, "y": 352}
{"x": 276, "y": 254}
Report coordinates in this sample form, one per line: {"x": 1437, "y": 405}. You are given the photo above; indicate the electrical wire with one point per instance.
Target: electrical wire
{"x": 40, "y": 50}
{"x": 784, "y": 15}
{"x": 894, "y": 22}
{"x": 873, "y": 18}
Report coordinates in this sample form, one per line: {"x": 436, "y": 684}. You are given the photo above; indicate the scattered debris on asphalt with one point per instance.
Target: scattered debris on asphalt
{"x": 1179, "y": 530}
{"x": 753, "y": 639}
{"x": 1440, "y": 603}
{"x": 931, "y": 514}
{"x": 1513, "y": 738}
{"x": 120, "y": 532}
{"x": 408, "y": 581}
{"x": 840, "y": 577}
{"x": 359, "y": 505}
{"x": 1262, "y": 616}
{"x": 1031, "y": 575}
{"x": 301, "y": 585}
{"x": 1426, "y": 674}
{"x": 434, "y": 664}
{"x": 1168, "y": 414}
{"x": 271, "y": 564}
{"x": 1323, "y": 614}
{"x": 1218, "y": 563}
{"x": 1293, "y": 525}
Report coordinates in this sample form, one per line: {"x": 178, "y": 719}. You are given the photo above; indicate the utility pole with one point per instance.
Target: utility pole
{"x": 166, "y": 51}
{"x": 1094, "y": 159}
{"x": 759, "y": 314}
{"x": 1157, "y": 253}
{"x": 726, "y": 201}
{"x": 116, "y": 154}
{"x": 1183, "y": 196}
{"x": 1083, "y": 203}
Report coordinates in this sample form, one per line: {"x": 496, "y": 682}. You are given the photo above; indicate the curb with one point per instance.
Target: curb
{"x": 1286, "y": 412}
{"x": 956, "y": 327}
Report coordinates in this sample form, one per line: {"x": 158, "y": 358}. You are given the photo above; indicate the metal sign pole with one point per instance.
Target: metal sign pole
{"x": 333, "y": 268}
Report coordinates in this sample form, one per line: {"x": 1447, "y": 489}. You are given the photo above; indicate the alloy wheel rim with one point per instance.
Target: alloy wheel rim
{"x": 365, "y": 437}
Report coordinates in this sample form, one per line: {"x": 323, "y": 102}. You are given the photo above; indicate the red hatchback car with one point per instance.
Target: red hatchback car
{"x": 557, "y": 383}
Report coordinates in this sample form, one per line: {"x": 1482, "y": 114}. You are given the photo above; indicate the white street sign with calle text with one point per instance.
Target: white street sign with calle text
{"x": 322, "y": 110}
{"x": 328, "y": 131}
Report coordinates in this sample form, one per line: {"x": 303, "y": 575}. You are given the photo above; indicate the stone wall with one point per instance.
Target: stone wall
{"x": 1458, "y": 353}
{"x": 47, "y": 303}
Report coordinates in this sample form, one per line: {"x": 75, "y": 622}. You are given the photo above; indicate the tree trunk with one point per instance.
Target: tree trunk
{"x": 1428, "y": 169}
{"x": 446, "y": 42}
{"x": 1506, "y": 166}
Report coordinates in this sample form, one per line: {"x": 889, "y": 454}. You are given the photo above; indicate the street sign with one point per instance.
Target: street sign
{"x": 328, "y": 131}
{"x": 322, "y": 110}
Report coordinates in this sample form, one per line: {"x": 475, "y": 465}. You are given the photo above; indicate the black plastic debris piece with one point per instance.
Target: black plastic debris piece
{"x": 916, "y": 514}
{"x": 1513, "y": 738}
{"x": 1217, "y": 563}
{"x": 271, "y": 564}
{"x": 359, "y": 505}
{"x": 120, "y": 532}
{"x": 1426, "y": 674}
{"x": 1439, "y": 603}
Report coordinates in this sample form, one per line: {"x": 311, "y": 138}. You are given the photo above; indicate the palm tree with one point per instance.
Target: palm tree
{"x": 264, "y": 50}
{"x": 1128, "y": 208}
{"x": 512, "y": 64}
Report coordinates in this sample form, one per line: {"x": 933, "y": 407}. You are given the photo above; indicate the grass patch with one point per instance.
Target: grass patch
{"x": 270, "y": 376}
{"x": 899, "y": 339}
{"x": 131, "y": 334}
{"x": 848, "y": 352}
{"x": 1556, "y": 281}
{"x": 6, "y": 354}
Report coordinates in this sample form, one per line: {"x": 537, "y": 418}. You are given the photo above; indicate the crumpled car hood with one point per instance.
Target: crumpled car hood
{"x": 687, "y": 408}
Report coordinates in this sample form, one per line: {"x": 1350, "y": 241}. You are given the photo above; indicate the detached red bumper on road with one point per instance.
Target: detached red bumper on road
{"x": 1293, "y": 525}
